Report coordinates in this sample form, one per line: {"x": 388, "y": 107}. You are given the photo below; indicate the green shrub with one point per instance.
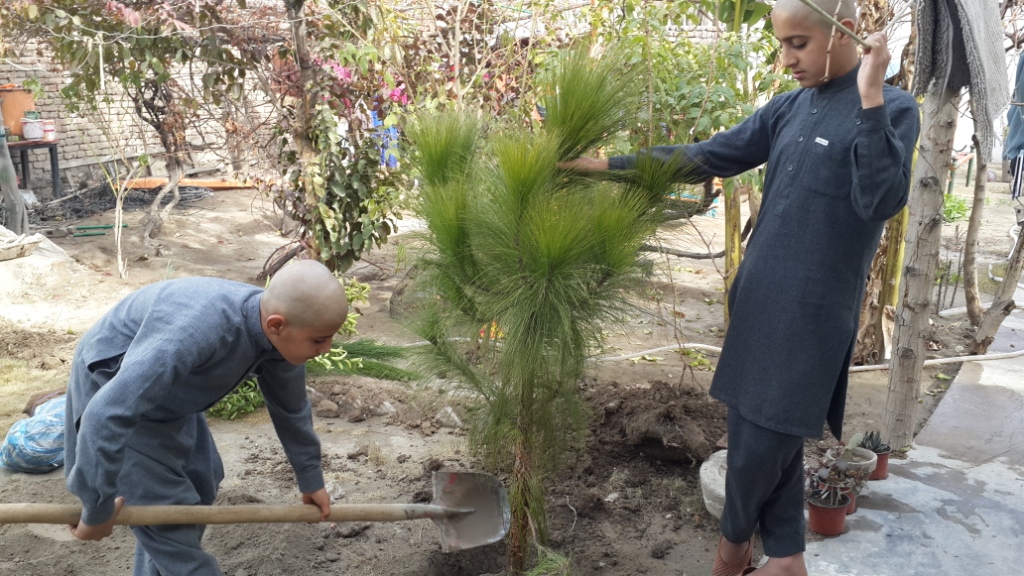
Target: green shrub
{"x": 954, "y": 208}
{"x": 246, "y": 398}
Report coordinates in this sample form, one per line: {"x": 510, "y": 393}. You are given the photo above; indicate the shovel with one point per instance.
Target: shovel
{"x": 470, "y": 508}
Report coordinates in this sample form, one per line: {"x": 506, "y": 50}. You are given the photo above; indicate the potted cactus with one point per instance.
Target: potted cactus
{"x": 873, "y": 441}
{"x": 828, "y": 496}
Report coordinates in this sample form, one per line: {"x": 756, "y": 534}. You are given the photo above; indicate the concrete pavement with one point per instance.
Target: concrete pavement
{"x": 955, "y": 507}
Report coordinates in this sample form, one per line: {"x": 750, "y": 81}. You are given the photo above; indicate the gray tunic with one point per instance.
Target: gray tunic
{"x": 835, "y": 173}
{"x": 162, "y": 356}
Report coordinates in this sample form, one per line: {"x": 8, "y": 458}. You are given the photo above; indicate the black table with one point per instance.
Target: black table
{"x": 24, "y": 146}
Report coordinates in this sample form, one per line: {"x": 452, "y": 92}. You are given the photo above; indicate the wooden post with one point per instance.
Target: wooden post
{"x": 14, "y": 204}
{"x": 924, "y": 237}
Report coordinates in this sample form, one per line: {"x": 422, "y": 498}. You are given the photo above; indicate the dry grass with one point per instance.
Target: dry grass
{"x": 18, "y": 381}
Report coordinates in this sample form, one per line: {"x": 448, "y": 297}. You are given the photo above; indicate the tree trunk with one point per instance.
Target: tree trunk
{"x": 895, "y": 245}
{"x": 1002, "y": 302}
{"x": 519, "y": 530}
{"x": 302, "y": 128}
{"x": 733, "y": 241}
{"x": 974, "y": 310}
{"x": 924, "y": 237}
{"x": 173, "y": 142}
{"x": 14, "y": 204}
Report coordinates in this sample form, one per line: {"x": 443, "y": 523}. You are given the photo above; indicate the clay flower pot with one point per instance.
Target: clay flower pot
{"x": 853, "y": 503}
{"x": 825, "y": 519}
{"x": 881, "y": 471}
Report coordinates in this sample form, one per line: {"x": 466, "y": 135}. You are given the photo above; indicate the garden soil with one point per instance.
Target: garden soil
{"x": 628, "y": 500}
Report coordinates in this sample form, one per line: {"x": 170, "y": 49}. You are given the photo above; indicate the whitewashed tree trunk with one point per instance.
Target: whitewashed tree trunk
{"x": 1002, "y": 302}
{"x": 13, "y": 203}
{"x": 924, "y": 235}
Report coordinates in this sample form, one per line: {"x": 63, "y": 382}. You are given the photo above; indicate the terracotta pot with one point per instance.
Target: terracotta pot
{"x": 853, "y": 504}
{"x": 825, "y": 520}
{"x": 881, "y": 471}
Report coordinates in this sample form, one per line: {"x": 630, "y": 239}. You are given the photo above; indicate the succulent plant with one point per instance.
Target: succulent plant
{"x": 873, "y": 441}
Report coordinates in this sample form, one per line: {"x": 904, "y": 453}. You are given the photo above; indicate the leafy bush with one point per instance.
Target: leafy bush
{"x": 246, "y": 398}
{"x": 954, "y": 208}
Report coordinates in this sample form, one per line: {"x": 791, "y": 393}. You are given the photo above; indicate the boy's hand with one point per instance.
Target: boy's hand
{"x": 83, "y": 531}
{"x": 872, "y": 71}
{"x": 584, "y": 165}
{"x": 321, "y": 499}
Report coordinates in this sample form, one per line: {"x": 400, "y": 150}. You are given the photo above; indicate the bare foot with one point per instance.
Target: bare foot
{"x": 730, "y": 552}
{"x": 789, "y": 566}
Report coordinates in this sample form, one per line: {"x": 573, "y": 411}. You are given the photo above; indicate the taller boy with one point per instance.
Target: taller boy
{"x": 838, "y": 153}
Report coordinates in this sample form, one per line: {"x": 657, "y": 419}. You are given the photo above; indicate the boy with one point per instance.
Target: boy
{"x": 144, "y": 374}
{"x": 838, "y": 153}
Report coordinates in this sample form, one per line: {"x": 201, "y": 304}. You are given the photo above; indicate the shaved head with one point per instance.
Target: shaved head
{"x": 847, "y": 10}
{"x": 307, "y": 295}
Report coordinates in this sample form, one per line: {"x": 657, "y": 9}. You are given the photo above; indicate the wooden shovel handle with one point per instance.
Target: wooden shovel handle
{"x": 157, "y": 515}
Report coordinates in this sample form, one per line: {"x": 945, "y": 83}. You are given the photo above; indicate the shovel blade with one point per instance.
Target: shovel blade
{"x": 487, "y": 519}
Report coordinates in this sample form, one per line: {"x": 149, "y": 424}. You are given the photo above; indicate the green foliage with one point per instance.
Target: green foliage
{"x": 550, "y": 563}
{"x": 356, "y": 293}
{"x": 954, "y": 208}
{"x": 364, "y": 357}
{"x": 135, "y": 45}
{"x": 693, "y": 88}
{"x": 333, "y": 182}
{"x": 35, "y": 87}
{"x": 588, "y": 104}
{"x": 527, "y": 263}
{"x": 873, "y": 441}
{"x": 244, "y": 399}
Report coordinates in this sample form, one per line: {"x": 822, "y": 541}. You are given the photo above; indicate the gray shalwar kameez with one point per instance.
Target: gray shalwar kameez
{"x": 835, "y": 173}
{"x": 140, "y": 381}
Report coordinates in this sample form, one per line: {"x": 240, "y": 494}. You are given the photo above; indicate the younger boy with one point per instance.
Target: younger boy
{"x": 838, "y": 153}
{"x": 144, "y": 374}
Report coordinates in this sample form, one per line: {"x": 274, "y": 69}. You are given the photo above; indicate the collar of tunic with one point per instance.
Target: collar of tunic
{"x": 251, "y": 314}
{"x": 841, "y": 83}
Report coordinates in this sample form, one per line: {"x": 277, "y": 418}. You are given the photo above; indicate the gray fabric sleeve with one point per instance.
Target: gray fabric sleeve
{"x": 284, "y": 388}
{"x": 883, "y": 158}
{"x": 741, "y": 148}
{"x": 162, "y": 352}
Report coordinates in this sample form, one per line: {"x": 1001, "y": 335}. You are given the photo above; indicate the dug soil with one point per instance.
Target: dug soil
{"x": 628, "y": 501}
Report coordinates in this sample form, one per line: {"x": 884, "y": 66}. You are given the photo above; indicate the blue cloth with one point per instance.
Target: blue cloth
{"x": 388, "y": 138}
{"x": 35, "y": 445}
{"x": 1015, "y": 117}
{"x": 835, "y": 173}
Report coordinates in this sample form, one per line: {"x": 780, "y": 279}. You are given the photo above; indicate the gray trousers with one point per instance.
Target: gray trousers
{"x": 194, "y": 479}
{"x": 764, "y": 487}
{"x": 170, "y": 462}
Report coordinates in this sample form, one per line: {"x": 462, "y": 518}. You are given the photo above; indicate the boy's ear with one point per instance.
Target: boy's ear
{"x": 275, "y": 322}
{"x": 850, "y": 25}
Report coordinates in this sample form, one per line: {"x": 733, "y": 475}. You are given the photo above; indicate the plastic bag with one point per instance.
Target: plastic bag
{"x": 36, "y": 445}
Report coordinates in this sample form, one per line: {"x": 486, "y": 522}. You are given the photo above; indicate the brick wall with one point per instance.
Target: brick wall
{"x": 85, "y": 138}
{"x": 89, "y": 138}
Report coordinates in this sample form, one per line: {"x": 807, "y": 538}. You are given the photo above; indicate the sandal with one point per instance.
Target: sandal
{"x": 722, "y": 568}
